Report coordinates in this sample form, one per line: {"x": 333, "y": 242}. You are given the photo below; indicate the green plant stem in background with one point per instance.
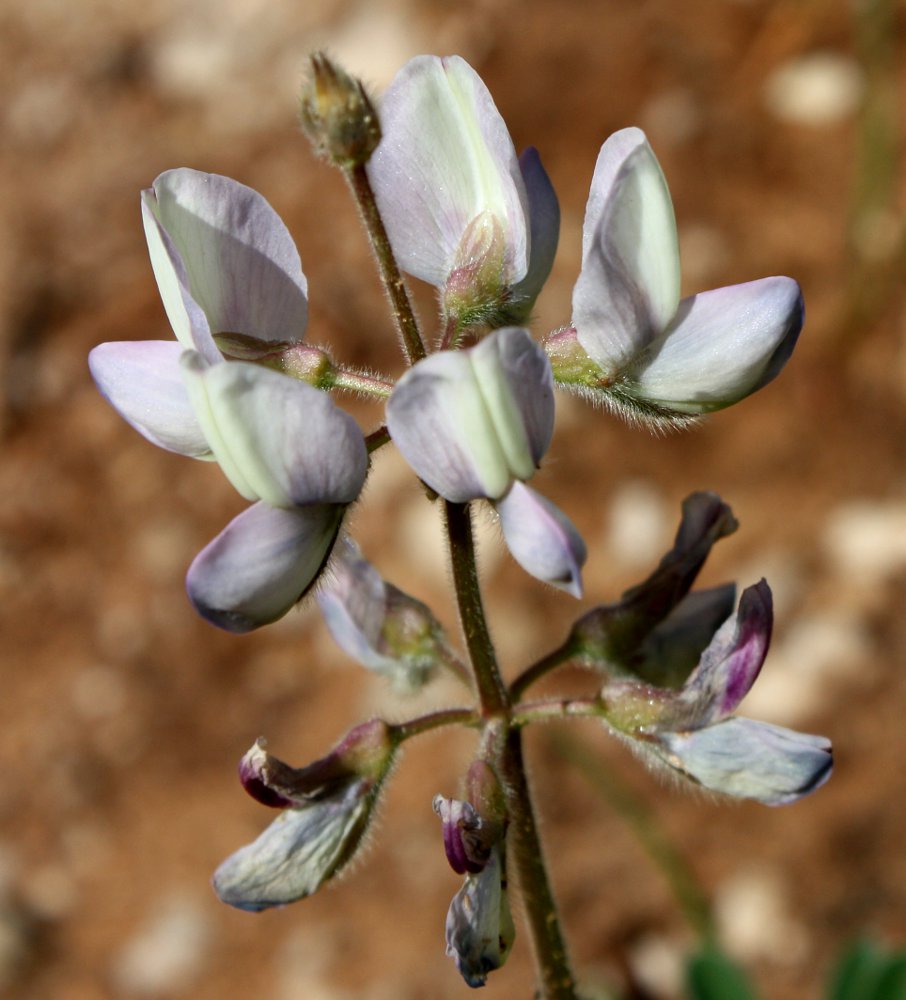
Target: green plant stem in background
{"x": 687, "y": 889}
{"x": 413, "y": 346}
{"x": 876, "y": 232}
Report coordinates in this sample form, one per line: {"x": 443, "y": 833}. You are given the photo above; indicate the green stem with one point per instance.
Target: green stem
{"x": 492, "y": 693}
{"x": 377, "y": 439}
{"x": 410, "y": 337}
{"x": 362, "y": 383}
{"x": 687, "y": 890}
{"x": 556, "y": 708}
{"x": 435, "y": 720}
{"x": 524, "y": 847}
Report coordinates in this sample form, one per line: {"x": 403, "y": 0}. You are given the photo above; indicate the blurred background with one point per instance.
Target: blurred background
{"x": 779, "y": 126}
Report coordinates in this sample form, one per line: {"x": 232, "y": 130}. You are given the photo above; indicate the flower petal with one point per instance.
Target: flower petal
{"x": 750, "y": 760}
{"x": 298, "y": 852}
{"x": 732, "y": 661}
{"x": 480, "y": 930}
{"x": 142, "y": 380}
{"x": 445, "y": 158}
{"x": 469, "y": 422}
{"x": 276, "y": 439}
{"x": 723, "y": 345}
{"x": 261, "y": 564}
{"x": 377, "y": 624}
{"x": 629, "y": 286}
{"x": 544, "y": 221}
{"x": 542, "y": 539}
{"x": 219, "y": 245}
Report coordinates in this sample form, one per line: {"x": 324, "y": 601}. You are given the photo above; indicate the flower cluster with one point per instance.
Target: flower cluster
{"x": 240, "y": 386}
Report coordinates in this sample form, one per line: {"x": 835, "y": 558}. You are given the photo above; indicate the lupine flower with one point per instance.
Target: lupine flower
{"x": 693, "y": 732}
{"x": 226, "y": 267}
{"x": 658, "y": 629}
{"x": 479, "y": 929}
{"x": 476, "y": 423}
{"x": 463, "y": 213}
{"x": 377, "y": 624}
{"x": 327, "y": 806}
{"x": 651, "y": 354}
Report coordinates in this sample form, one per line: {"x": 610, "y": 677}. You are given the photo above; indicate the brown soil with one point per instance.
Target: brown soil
{"x": 123, "y": 714}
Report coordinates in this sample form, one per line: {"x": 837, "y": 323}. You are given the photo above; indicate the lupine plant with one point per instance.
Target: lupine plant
{"x": 445, "y": 199}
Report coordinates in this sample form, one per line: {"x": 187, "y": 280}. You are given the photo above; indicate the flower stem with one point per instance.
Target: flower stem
{"x": 552, "y": 961}
{"x": 362, "y": 383}
{"x": 435, "y": 720}
{"x": 492, "y": 692}
{"x": 410, "y": 337}
{"x": 524, "y": 845}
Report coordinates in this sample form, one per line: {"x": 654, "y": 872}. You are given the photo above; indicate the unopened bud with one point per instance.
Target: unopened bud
{"x": 300, "y": 361}
{"x": 337, "y": 115}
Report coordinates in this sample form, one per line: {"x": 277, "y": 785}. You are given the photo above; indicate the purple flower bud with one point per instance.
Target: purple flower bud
{"x": 327, "y": 806}
{"x": 621, "y": 635}
{"x": 462, "y": 212}
{"x": 691, "y": 732}
{"x": 661, "y": 359}
{"x": 463, "y": 841}
{"x": 378, "y": 625}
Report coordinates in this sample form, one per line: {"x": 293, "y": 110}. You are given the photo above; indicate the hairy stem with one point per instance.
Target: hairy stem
{"x": 492, "y": 692}
{"x": 524, "y": 849}
{"x": 524, "y": 845}
{"x": 410, "y": 337}
{"x": 539, "y": 668}
{"x": 435, "y": 720}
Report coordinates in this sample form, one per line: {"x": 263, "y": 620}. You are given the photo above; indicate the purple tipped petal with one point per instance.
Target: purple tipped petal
{"x": 298, "y": 852}
{"x": 463, "y": 842}
{"x": 445, "y": 158}
{"x": 733, "y": 660}
{"x": 253, "y": 773}
{"x": 723, "y": 345}
{"x": 628, "y": 288}
{"x": 143, "y": 381}
{"x": 261, "y": 564}
{"x": 750, "y": 760}
{"x": 542, "y": 539}
{"x": 469, "y": 422}
{"x": 544, "y": 219}
{"x": 219, "y": 248}
{"x": 277, "y": 439}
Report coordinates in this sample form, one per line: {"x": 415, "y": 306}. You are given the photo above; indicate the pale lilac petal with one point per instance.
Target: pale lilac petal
{"x": 479, "y": 929}
{"x": 628, "y": 288}
{"x": 298, "y": 852}
{"x": 438, "y": 421}
{"x": 261, "y": 564}
{"x": 143, "y": 381}
{"x": 445, "y": 158}
{"x": 732, "y": 661}
{"x": 542, "y": 539}
{"x": 469, "y": 422}
{"x": 723, "y": 345}
{"x": 227, "y": 251}
{"x": 750, "y": 760}
{"x": 277, "y": 439}
{"x": 518, "y": 389}
{"x": 544, "y": 220}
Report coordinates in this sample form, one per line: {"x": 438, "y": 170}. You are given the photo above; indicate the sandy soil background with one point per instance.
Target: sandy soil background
{"x": 779, "y": 126}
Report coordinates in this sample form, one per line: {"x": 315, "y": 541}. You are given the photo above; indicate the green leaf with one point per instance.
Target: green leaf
{"x": 710, "y": 975}
{"x": 866, "y": 972}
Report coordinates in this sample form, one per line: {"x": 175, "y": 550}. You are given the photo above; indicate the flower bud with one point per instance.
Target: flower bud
{"x": 300, "y": 361}
{"x": 378, "y": 625}
{"x": 337, "y": 115}
{"x": 327, "y": 806}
